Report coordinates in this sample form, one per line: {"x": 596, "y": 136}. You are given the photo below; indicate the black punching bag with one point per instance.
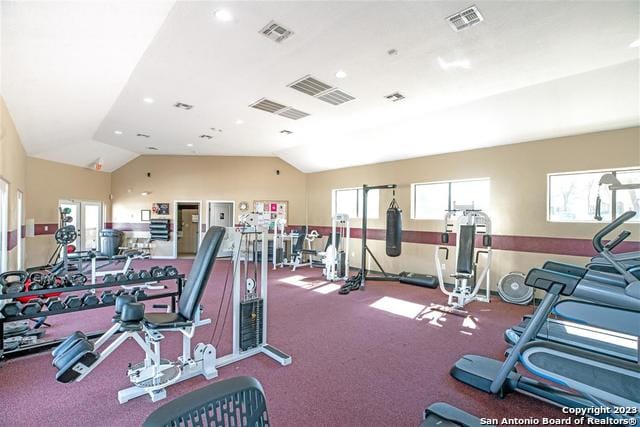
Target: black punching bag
{"x": 394, "y": 229}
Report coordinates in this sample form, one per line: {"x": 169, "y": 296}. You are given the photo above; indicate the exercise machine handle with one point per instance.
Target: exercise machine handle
{"x": 597, "y": 239}
{"x": 615, "y": 242}
{"x": 478, "y": 255}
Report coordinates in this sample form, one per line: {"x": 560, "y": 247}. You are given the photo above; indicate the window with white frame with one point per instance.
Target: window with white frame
{"x": 430, "y": 200}
{"x": 4, "y": 225}
{"x": 19, "y": 215}
{"x": 349, "y": 201}
{"x": 572, "y": 196}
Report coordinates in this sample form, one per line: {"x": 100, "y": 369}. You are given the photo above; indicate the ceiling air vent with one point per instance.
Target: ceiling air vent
{"x": 279, "y": 109}
{"x": 183, "y": 105}
{"x": 152, "y": 148}
{"x": 205, "y": 136}
{"x": 276, "y": 32}
{"x": 396, "y": 96}
{"x": 286, "y": 132}
{"x": 143, "y": 135}
{"x": 465, "y": 18}
{"x": 320, "y": 90}
{"x": 292, "y": 113}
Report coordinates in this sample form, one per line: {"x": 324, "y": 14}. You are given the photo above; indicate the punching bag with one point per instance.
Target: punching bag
{"x": 394, "y": 229}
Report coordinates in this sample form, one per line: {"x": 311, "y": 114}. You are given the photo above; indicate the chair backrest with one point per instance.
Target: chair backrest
{"x": 236, "y": 401}
{"x": 466, "y": 248}
{"x": 200, "y": 272}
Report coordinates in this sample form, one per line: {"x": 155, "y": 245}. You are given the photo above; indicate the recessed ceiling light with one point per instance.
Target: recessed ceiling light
{"x": 239, "y": 122}
{"x": 635, "y": 43}
{"x": 189, "y": 145}
{"x": 392, "y": 52}
{"x": 149, "y": 100}
{"x": 117, "y": 132}
{"x": 341, "y": 74}
{"x": 223, "y": 15}
{"x": 454, "y": 64}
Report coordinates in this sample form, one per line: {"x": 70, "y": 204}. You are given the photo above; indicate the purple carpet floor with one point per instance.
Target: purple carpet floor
{"x": 371, "y": 358}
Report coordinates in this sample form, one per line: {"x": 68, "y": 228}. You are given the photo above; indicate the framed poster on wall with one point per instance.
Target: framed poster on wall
{"x": 160, "y": 208}
{"x": 278, "y": 209}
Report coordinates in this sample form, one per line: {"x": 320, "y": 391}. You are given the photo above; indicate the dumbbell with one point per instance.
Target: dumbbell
{"x": 72, "y": 301}
{"x": 139, "y": 294}
{"x": 36, "y": 286}
{"x": 157, "y": 272}
{"x": 108, "y": 278}
{"x": 34, "y": 306}
{"x": 144, "y": 274}
{"x": 121, "y": 277}
{"x": 107, "y": 297}
{"x": 78, "y": 279}
{"x": 54, "y": 304}
{"x": 132, "y": 275}
{"x": 11, "y": 309}
{"x": 170, "y": 271}
{"x": 90, "y": 299}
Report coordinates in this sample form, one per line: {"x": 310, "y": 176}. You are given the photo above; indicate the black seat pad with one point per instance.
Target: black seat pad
{"x": 165, "y": 320}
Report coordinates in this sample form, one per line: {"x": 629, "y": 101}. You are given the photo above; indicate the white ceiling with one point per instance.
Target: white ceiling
{"x": 74, "y": 72}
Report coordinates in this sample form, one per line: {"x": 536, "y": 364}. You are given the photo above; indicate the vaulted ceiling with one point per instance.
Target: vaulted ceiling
{"x": 76, "y": 77}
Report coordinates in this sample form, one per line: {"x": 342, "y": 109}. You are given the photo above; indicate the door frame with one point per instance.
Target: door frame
{"x": 19, "y": 224}
{"x": 233, "y": 211}
{"x": 80, "y": 219}
{"x": 175, "y": 223}
{"x": 4, "y": 225}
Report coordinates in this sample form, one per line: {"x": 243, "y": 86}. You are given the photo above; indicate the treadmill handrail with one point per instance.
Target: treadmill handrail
{"x": 597, "y": 239}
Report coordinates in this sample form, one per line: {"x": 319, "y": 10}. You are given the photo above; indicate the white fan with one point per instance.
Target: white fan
{"x": 512, "y": 289}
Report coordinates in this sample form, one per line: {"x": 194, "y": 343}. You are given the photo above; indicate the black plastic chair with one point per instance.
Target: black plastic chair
{"x": 235, "y": 402}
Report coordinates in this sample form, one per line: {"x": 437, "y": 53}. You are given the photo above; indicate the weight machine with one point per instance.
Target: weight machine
{"x": 336, "y": 256}
{"x": 77, "y": 356}
{"x": 466, "y": 222}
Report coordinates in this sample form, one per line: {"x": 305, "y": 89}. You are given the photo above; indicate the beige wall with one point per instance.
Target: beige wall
{"x": 48, "y": 183}
{"x": 518, "y": 176}
{"x": 189, "y": 178}
{"x": 12, "y": 169}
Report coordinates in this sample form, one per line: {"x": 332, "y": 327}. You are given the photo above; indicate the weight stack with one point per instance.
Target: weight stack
{"x": 250, "y": 323}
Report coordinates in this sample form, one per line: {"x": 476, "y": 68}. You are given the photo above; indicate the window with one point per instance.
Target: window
{"x": 19, "y": 214}
{"x": 4, "y": 225}
{"x": 572, "y": 196}
{"x": 349, "y": 201}
{"x": 432, "y": 200}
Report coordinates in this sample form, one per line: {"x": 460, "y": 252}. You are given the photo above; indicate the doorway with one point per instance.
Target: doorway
{"x": 4, "y": 225}
{"x": 221, "y": 213}
{"x": 86, "y": 217}
{"x": 187, "y": 224}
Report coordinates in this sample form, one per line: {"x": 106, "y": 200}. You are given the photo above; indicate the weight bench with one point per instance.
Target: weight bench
{"x": 299, "y": 252}
{"x": 238, "y": 401}
{"x": 76, "y": 357}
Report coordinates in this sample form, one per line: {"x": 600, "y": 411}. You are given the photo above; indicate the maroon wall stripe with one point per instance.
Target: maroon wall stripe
{"x": 39, "y": 229}
{"x": 544, "y": 245}
{"x": 535, "y": 244}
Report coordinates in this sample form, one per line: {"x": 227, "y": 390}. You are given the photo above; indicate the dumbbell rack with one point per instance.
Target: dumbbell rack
{"x": 45, "y": 345}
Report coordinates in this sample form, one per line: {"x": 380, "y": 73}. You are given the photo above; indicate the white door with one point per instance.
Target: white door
{"x": 220, "y": 214}
{"x": 86, "y": 217}
{"x": 4, "y": 225}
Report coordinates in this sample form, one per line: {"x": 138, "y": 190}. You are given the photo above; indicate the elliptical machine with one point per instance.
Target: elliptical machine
{"x": 466, "y": 222}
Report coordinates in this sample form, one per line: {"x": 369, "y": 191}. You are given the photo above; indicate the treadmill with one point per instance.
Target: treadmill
{"x": 593, "y": 326}
{"x": 594, "y": 383}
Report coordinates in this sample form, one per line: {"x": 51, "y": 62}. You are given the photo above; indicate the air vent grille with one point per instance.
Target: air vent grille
{"x": 143, "y": 135}
{"x": 279, "y": 109}
{"x": 268, "y": 106}
{"x": 320, "y": 90}
{"x": 292, "y": 113}
{"x": 286, "y": 132}
{"x": 183, "y": 105}
{"x": 310, "y": 86}
{"x": 152, "y": 148}
{"x": 276, "y": 32}
{"x": 465, "y": 18}
{"x": 205, "y": 136}
{"x": 395, "y": 97}
{"x": 336, "y": 97}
